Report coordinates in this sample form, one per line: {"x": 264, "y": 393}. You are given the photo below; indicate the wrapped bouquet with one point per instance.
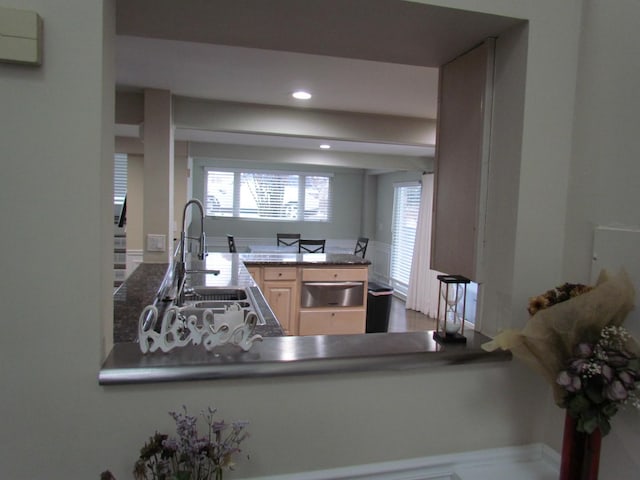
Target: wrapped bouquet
{"x": 576, "y": 341}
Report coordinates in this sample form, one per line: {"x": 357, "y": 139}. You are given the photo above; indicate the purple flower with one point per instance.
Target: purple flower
{"x": 616, "y": 391}
{"x": 628, "y": 379}
{"x": 579, "y": 365}
{"x": 607, "y": 372}
{"x": 570, "y": 383}
{"x": 584, "y": 350}
{"x": 617, "y": 359}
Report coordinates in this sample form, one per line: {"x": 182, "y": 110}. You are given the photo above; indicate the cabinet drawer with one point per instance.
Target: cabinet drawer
{"x": 334, "y": 274}
{"x": 277, "y": 273}
{"x": 316, "y": 322}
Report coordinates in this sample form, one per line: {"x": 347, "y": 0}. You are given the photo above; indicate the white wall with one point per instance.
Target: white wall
{"x": 58, "y": 423}
{"x": 605, "y": 172}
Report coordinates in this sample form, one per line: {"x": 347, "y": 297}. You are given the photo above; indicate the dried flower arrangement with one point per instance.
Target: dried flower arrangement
{"x": 189, "y": 456}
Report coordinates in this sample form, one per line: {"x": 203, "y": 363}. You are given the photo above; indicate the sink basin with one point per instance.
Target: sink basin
{"x": 200, "y": 312}
{"x": 196, "y": 294}
{"x": 220, "y": 304}
{"x": 199, "y": 299}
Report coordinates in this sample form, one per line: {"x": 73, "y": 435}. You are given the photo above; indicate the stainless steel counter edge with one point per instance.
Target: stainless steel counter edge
{"x": 279, "y": 356}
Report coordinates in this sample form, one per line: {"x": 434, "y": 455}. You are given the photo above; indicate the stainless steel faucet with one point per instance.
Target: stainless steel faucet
{"x": 181, "y": 264}
{"x": 202, "y": 249}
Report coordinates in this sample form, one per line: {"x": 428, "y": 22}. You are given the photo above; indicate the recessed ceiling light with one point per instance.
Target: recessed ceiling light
{"x": 301, "y": 95}
{"x": 325, "y": 146}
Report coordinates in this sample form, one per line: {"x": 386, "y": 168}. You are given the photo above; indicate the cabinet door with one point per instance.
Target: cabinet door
{"x": 256, "y": 273}
{"x": 327, "y": 322}
{"x": 281, "y": 297}
{"x": 462, "y": 163}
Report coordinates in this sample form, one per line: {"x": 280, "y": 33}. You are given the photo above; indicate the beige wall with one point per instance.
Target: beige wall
{"x": 135, "y": 189}
{"x": 57, "y": 421}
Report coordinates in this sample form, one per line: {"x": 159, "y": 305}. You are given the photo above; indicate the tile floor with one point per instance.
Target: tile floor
{"x": 403, "y": 320}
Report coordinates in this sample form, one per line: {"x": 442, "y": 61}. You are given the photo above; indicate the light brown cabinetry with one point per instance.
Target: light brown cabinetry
{"x": 280, "y": 288}
{"x": 256, "y": 273}
{"x": 334, "y": 319}
{"x": 324, "y": 321}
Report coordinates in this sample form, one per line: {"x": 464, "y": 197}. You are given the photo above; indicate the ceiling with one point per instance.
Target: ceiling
{"x": 371, "y": 56}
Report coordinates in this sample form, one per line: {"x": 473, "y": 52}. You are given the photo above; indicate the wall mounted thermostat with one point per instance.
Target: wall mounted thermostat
{"x": 20, "y": 36}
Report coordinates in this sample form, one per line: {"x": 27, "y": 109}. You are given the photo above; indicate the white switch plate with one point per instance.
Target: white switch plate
{"x": 20, "y": 36}
{"x": 156, "y": 242}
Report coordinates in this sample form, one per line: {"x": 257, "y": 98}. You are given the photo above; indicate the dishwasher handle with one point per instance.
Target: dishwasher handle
{"x": 333, "y": 284}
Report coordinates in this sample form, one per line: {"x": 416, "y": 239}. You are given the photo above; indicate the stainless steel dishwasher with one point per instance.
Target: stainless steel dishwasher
{"x": 332, "y": 294}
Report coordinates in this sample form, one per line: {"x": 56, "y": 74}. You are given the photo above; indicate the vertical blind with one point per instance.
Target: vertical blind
{"x": 406, "y": 206}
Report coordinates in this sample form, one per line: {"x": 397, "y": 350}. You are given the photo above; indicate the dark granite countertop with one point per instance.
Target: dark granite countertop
{"x": 138, "y": 291}
{"x": 143, "y": 285}
{"x": 325, "y": 259}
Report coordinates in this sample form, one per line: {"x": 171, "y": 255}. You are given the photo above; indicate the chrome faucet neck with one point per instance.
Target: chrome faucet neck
{"x": 202, "y": 248}
{"x": 181, "y": 266}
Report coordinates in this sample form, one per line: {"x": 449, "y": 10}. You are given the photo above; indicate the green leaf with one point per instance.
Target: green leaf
{"x": 610, "y": 409}
{"x": 634, "y": 364}
{"x": 588, "y": 425}
{"x": 594, "y": 393}
{"x": 605, "y": 426}
{"x": 577, "y": 405}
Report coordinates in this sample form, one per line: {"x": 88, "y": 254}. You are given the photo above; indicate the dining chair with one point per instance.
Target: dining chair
{"x": 288, "y": 239}
{"x": 232, "y": 244}
{"x": 361, "y": 246}
{"x": 311, "y": 246}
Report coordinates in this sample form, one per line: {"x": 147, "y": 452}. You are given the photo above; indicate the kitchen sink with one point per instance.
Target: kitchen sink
{"x": 200, "y": 299}
{"x": 198, "y": 294}
{"x": 219, "y": 304}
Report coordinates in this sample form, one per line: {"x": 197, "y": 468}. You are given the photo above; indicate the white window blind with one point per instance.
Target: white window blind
{"x": 119, "y": 178}
{"x": 268, "y": 195}
{"x": 406, "y": 206}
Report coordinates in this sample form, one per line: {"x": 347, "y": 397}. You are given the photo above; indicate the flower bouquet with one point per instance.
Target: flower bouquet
{"x": 574, "y": 338}
{"x": 191, "y": 456}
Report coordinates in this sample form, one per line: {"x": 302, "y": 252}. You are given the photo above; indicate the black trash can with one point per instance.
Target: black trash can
{"x": 378, "y": 307}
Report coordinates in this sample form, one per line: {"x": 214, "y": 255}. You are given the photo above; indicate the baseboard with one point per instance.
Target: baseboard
{"x": 527, "y": 462}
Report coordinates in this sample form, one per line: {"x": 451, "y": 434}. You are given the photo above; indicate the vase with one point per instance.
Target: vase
{"x": 580, "y": 452}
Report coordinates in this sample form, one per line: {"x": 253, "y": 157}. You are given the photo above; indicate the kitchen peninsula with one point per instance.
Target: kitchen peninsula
{"x": 276, "y": 354}
{"x": 279, "y": 276}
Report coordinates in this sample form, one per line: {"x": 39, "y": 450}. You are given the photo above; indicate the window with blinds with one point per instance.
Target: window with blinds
{"x": 406, "y": 206}
{"x": 119, "y": 178}
{"x": 268, "y": 195}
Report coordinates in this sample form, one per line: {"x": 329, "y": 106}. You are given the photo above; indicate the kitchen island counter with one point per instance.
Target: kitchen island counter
{"x": 308, "y": 259}
{"x": 143, "y": 286}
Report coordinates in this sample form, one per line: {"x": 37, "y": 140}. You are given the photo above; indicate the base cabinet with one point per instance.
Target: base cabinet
{"x": 334, "y": 319}
{"x": 282, "y": 285}
{"x": 331, "y": 322}
{"x": 256, "y": 273}
{"x": 280, "y": 289}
